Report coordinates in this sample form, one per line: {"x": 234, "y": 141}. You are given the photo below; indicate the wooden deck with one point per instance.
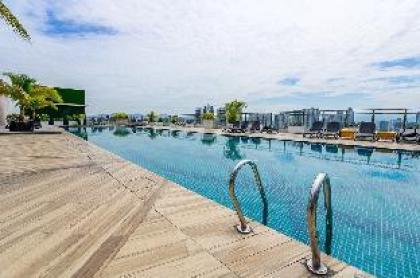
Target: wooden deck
{"x": 70, "y": 209}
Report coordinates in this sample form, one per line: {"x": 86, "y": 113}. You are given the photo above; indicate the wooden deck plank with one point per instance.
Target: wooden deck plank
{"x": 73, "y": 209}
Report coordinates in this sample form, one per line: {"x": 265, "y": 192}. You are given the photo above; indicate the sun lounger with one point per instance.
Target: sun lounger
{"x": 315, "y": 129}
{"x": 267, "y": 129}
{"x": 366, "y": 130}
{"x": 409, "y": 135}
{"x": 332, "y": 130}
{"x": 236, "y": 128}
{"x": 255, "y": 126}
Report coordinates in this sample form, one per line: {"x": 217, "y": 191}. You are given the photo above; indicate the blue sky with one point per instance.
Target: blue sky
{"x": 173, "y": 55}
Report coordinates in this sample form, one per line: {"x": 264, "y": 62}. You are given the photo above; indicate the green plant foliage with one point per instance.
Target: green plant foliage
{"x": 29, "y": 95}
{"x": 121, "y": 132}
{"x": 119, "y": 116}
{"x": 208, "y": 116}
{"x": 174, "y": 119}
{"x": 234, "y": 110}
{"x": 152, "y": 116}
{"x": 13, "y": 22}
{"x": 40, "y": 97}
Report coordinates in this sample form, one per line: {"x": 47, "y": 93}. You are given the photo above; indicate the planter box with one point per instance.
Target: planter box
{"x": 208, "y": 124}
{"x": 296, "y": 129}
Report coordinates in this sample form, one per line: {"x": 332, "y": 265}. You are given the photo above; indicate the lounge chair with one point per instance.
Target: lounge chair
{"x": 267, "y": 129}
{"x": 366, "y": 130}
{"x": 408, "y": 135}
{"x": 332, "y": 130}
{"x": 255, "y": 126}
{"x": 236, "y": 128}
{"x": 315, "y": 129}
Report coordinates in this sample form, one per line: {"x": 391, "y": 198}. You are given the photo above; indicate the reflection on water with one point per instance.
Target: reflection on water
{"x": 231, "y": 149}
{"x": 121, "y": 132}
{"x": 233, "y": 145}
{"x": 208, "y": 139}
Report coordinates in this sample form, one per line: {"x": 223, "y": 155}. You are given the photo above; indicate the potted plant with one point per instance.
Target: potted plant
{"x": 30, "y": 97}
{"x": 234, "y": 110}
{"x": 208, "y": 120}
{"x": 120, "y": 118}
{"x": 151, "y": 117}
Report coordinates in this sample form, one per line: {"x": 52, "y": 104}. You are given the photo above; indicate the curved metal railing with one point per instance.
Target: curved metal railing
{"x": 314, "y": 264}
{"x": 244, "y": 227}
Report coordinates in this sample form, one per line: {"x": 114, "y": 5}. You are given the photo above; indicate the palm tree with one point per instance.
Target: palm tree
{"x": 20, "y": 88}
{"x": 29, "y": 95}
{"x": 13, "y": 22}
{"x": 152, "y": 116}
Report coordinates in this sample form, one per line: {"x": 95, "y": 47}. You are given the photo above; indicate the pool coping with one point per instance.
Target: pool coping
{"x": 299, "y": 138}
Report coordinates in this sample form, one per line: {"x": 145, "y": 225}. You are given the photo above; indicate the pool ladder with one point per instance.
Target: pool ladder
{"x": 243, "y": 227}
{"x": 322, "y": 180}
{"x": 314, "y": 264}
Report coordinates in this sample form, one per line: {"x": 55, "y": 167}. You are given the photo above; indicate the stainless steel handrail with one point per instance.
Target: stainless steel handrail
{"x": 244, "y": 227}
{"x": 314, "y": 264}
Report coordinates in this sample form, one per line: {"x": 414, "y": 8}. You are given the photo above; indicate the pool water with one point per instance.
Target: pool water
{"x": 375, "y": 193}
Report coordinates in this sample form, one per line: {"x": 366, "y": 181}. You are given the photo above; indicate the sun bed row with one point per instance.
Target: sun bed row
{"x": 366, "y": 130}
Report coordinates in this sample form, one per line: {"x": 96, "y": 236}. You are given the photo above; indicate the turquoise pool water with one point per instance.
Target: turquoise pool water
{"x": 375, "y": 193}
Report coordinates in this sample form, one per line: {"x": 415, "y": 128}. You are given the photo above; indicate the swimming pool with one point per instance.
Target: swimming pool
{"x": 375, "y": 193}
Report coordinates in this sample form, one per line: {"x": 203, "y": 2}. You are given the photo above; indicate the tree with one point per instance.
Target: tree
{"x": 29, "y": 95}
{"x": 40, "y": 97}
{"x": 119, "y": 116}
{"x": 152, "y": 117}
{"x": 234, "y": 110}
{"x": 20, "y": 88}
{"x": 13, "y": 22}
{"x": 174, "y": 119}
{"x": 208, "y": 116}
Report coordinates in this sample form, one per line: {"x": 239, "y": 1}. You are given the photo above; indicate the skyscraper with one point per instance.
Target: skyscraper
{"x": 349, "y": 117}
{"x": 418, "y": 118}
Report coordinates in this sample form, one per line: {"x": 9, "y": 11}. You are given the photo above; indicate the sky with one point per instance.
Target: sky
{"x": 171, "y": 56}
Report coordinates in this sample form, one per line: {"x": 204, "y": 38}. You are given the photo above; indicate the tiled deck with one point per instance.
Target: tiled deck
{"x": 68, "y": 208}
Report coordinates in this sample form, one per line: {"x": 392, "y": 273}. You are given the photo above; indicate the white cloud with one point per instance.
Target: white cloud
{"x": 174, "y": 55}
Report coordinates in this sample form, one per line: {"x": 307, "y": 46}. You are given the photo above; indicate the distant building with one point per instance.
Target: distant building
{"x": 395, "y": 124}
{"x": 265, "y": 119}
{"x": 199, "y": 111}
{"x": 418, "y": 118}
{"x": 136, "y": 117}
{"x": 221, "y": 116}
{"x": 310, "y": 116}
{"x": 280, "y": 121}
{"x": 344, "y": 117}
{"x": 208, "y": 109}
{"x": 197, "y": 115}
{"x": 349, "y": 117}
{"x": 384, "y": 125}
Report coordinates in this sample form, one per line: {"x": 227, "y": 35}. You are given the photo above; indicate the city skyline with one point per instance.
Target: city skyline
{"x": 173, "y": 56}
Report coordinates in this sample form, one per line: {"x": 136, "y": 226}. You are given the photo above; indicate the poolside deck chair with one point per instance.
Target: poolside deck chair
{"x": 235, "y": 128}
{"x": 244, "y": 126}
{"x": 315, "y": 129}
{"x": 366, "y": 130}
{"x": 408, "y": 135}
{"x": 255, "y": 126}
{"x": 332, "y": 130}
{"x": 267, "y": 129}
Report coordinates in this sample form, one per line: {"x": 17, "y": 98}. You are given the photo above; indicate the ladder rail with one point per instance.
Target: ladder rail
{"x": 244, "y": 227}
{"x": 314, "y": 264}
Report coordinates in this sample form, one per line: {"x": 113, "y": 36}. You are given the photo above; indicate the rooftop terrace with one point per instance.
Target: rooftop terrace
{"x": 69, "y": 208}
